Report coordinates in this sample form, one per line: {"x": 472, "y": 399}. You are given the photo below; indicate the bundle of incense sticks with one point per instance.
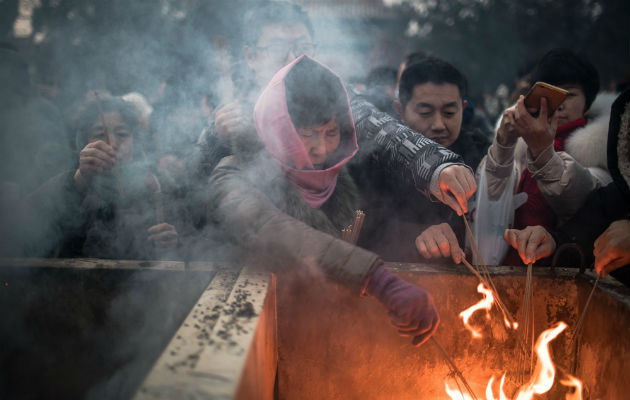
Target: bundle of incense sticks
{"x": 107, "y": 140}
{"x": 484, "y": 276}
{"x": 351, "y": 233}
{"x": 156, "y": 191}
{"x": 509, "y": 320}
{"x": 526, "y": 361}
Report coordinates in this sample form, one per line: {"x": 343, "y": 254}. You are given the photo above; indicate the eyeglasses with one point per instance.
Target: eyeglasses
{"x": 281, "y": 50}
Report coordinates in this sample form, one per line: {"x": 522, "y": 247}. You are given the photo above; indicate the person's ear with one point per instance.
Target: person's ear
{"x": 399, "y": 109}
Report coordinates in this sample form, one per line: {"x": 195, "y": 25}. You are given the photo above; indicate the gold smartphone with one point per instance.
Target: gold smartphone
{"x": 554, "y": 95}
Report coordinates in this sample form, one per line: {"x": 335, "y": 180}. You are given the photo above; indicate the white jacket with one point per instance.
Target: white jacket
{"x": 567, "y": 177}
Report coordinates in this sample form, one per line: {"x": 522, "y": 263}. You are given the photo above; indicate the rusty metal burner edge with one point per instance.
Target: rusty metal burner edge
{"x": 609, "y": 285}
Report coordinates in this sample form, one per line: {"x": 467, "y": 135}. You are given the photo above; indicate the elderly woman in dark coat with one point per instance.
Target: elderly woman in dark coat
{"x": 111, "y": 205}
{"x": 284, "y": 196}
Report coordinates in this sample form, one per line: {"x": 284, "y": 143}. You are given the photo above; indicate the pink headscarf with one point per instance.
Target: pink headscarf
{"x": 275, "y": 129}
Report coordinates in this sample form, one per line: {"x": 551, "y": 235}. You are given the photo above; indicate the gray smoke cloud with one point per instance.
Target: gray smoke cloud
{"x": 184, "y": 57}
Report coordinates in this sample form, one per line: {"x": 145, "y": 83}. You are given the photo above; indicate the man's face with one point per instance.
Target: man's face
{"x": 320, "y": 141}
{"x": 277, "y": 46}
{"x": 116, "y": 133}
{"x": 435, "y": 110}
{"x": 572, "y": 107}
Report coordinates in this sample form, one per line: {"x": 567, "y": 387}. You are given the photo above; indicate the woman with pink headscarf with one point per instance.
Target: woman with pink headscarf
{"x": 284, "y": 196}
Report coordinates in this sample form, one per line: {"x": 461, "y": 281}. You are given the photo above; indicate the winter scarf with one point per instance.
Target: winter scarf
{"x": 280, "y": 138}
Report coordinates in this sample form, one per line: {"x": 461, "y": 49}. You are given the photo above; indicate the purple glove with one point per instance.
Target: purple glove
{"x": 410, "y": 307}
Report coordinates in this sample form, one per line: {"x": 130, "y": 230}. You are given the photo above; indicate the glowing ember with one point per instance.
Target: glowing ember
{"x": 541, "y": 380}
{"x": 485, "y": 304}
{"x": 514, "y": 325}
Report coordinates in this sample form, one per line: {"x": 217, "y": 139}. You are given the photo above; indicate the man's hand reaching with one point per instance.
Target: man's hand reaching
{"x": 456, "y": 184}
{"x": 439, "y": 241}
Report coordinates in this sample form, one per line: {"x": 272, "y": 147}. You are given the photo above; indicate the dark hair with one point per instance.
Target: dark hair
{"x": 429, "y": 69}
{"x": 89, "y": 112}
{"x": 314, "y": 94}
{"x": 414, "y": 57}
{"x": 381, "y": 76}
{"x": 272, "y": 12}
{"x": 562, "y": 67}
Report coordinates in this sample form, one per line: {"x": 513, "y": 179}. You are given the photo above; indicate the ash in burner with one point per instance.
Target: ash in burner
{"x": 247, "y": 311}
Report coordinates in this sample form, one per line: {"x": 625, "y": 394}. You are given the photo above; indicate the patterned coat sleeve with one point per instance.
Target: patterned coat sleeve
{"x": 207, "y": 153}
{"x": 408, "y": 155}
{"x": 411, "y": 157}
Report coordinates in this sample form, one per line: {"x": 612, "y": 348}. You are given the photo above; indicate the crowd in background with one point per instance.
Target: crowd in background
{"x": 174, "y": 172}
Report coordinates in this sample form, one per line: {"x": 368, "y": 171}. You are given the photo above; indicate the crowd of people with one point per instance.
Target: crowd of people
{"x": 274, "y": 176}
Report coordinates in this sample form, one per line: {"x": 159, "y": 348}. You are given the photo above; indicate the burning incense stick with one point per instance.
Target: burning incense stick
{"x": 156, "y": 191}
{"x": 351, "y": 233}
{"x": 107, "y": 134}
{"x": 578, "y": 327}
{"x": 356, "y": 227}
{"x": 484, "y": 270}
{"x": 473, "y": 270}
{"x": 574, "y": 340}
{"x": 346, "y": 232}
{"x": 527, "y": 325}
{"x": 453, "y": 367}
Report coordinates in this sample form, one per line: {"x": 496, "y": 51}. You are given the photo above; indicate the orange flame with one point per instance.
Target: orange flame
{"x": 484, "y": 304}
{"x": 573, "y": 382}
{"x": 545, "y": 371}
{"x": 540, "y": 382}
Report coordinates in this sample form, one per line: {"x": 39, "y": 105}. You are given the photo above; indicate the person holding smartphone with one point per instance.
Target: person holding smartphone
{"x": 560, "y": 158}
{"x": 601, "y": 227}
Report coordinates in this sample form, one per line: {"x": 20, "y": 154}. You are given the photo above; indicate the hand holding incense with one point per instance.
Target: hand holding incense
{"x": 156, "y": 192}
{"x": 108, "y": 140}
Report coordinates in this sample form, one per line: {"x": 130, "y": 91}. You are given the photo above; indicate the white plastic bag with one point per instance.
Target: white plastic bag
{"x": 493, "y": 217}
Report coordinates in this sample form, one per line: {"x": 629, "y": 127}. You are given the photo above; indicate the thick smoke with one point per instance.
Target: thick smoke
{"x": 181, "y": 59}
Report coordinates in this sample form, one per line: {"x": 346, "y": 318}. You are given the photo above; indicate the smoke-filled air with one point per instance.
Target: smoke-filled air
{"x": 164, "y": 164}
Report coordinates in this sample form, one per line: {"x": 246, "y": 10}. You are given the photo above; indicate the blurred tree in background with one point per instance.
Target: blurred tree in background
{"x": 491, "y": 39}
{"x": 141, "y": 42}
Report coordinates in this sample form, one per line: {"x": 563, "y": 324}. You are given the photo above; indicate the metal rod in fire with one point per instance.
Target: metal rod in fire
{"x": 453, "y": 367}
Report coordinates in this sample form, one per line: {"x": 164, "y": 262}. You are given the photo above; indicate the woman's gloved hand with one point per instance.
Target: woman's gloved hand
{"x": 410, "y": 307}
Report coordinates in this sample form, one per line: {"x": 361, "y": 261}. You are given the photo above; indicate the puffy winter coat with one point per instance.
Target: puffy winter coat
{"x": 568, "y": 176}
{"x": 606, "y": 204}
{"x": 265, "y": 217}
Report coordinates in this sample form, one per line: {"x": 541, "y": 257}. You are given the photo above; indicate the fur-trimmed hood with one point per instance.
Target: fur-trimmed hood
{"x": 308, "y": 87}
{"x": 587, "y": 145}
{"x": 619, "y": 143}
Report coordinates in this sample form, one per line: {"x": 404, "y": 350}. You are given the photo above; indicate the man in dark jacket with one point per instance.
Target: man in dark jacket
{"x": 431, "y": 101}
{"x": 603, "y": 221}
{"x": 276, "y": 33}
